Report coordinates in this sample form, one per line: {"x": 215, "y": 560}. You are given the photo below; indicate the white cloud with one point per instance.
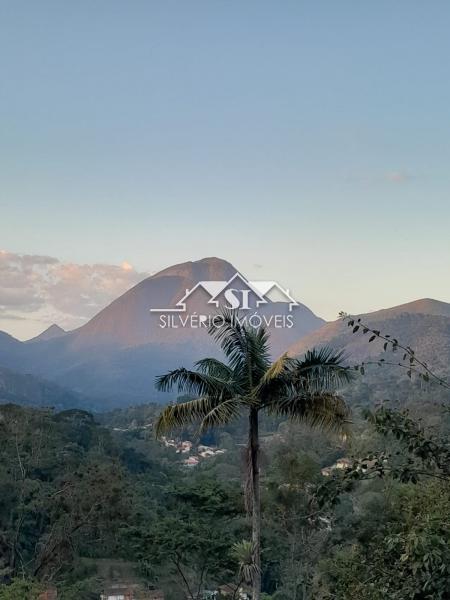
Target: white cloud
{"x": 44, "y": 289}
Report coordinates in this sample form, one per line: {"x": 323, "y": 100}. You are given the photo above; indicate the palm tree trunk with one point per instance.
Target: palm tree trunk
{"x": 256, "y": 502}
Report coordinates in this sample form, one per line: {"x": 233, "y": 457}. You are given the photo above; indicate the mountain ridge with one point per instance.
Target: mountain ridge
{"x": 428, "y": 306}
{"x": 28, "y": 390}
{"x": 52, "y": 332}
{"x": 124, "y": 346}
{"x": 117, "y": 354}
{"x": 427, "y": 333}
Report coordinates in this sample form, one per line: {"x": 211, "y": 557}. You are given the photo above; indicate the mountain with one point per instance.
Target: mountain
{"x": 28, "y": 390}
{"x": 118, "y": 353}
{"x": 52, "y": 332}
{"x": 8, "y": 341}
{"x": 425, "y": 306}
{"x": 115, "y": 357}
{"x": 424, "y": 325}
{"x": 11, "y": 351}
{"x": 127, "y": 322}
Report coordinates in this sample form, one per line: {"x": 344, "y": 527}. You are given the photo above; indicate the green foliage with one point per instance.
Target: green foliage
{"x": 191, "y": 535}
{"x": 242, "y": 552}
{"x": 88, "y": 589}
{"x": 401, "y": 546}
{"x": 407, "y": 558}
{"x": 20, "y": 589}
{"x": 432, "y": 452}
{"x": 77, "y": 490}
{"x": 57, "y": 486}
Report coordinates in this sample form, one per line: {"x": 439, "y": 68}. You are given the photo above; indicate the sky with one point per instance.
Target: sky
{"x": 306, "y": 142}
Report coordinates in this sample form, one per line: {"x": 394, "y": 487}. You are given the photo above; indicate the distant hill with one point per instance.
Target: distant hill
{"x": 115, "y": 357}
{"x": 425, "y": 306}
{"x": 127, "y": 322}
{"x": 118, "y": 353}
{"x": 8, "y": 341}
{"x": 424, "y": 325}
{"x": 28, "y": 390}
{"x": 51, "y": 333}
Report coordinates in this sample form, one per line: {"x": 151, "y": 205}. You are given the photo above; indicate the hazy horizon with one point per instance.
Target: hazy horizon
{"x": 68, "y": 295}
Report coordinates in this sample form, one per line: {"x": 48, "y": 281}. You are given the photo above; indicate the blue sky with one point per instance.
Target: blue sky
{"x": 306, "y": 142}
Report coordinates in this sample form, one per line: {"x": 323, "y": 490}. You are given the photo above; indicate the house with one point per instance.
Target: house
{"x": 343, "y": 463}
{"x": 184, "y": 447}
{"x": 340, "y": 464}
{"x": 118, "y": 591}
{"x": 168, "y": 443}
{"x": 130, "y": 591}
{"x": 192, "y": 461}
{"x": 326, "y": 471}
{"x": 206, "y": 453}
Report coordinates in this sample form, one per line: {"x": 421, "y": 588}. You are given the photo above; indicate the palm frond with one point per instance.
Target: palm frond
{"x": 276, "y": 368}
{"x": 321, "y": 369}
{"x": 258, "y": 343}
{"x": 214, "y": 368}
{"x": 228, "y": 333}
{"x": 325, "y": 411}
{"x": 222, "y": 413}
{"x": 192, "y": 382}
{"x": 244, "y": 346}
{"x": 185, "y": 413}
{"x": 276, "y": 382}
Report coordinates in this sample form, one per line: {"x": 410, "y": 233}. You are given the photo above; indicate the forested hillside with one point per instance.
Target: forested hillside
{"x": 88, "y": 501}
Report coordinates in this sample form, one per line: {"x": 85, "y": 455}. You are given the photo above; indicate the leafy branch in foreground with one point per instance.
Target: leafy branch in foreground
{"x": 426, "y": 456}
{"x": 409, "y": 360}
{"x": 434, "y": 453}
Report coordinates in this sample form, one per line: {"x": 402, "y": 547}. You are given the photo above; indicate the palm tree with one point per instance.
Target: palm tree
{"x": 248, "y": 383}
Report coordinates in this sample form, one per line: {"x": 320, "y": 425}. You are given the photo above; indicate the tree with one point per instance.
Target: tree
{"x": 190, "y": 536}
{"x": 248, "y": 383}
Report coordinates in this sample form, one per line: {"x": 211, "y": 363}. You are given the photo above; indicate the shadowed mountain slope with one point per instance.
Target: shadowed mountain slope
{"x": 29, "y": 390}
{"x": 424, "y": 325}
{"x": 118, "y": 353}
{"x": 51, "y": 333}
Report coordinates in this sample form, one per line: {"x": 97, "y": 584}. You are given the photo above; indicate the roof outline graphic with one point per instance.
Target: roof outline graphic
{"x": 267, "y": 286}
{"x": 248, "y": 283}
{"x": 215, "y": 288}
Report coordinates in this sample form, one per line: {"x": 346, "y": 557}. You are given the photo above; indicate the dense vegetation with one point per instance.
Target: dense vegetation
{"x": 76, "y": 490}
{"x": 90, "y": 500}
